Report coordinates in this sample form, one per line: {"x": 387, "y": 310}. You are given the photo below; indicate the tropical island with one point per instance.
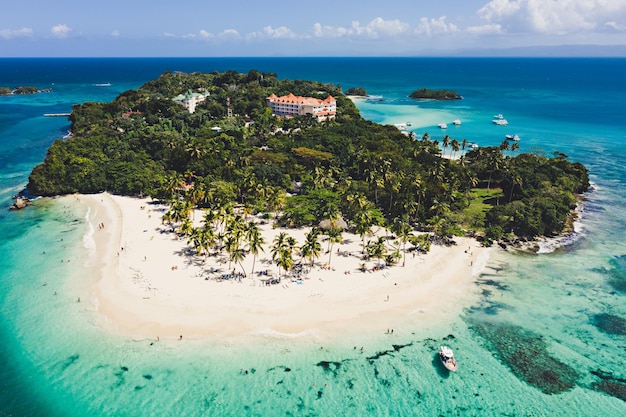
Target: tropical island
{"x": 427, "y": 94}
{"x": 7, "y": 91}
{"x": 245, "y": 178}
{"x": 356, "y": 91}
{"x": 234, "y": 149}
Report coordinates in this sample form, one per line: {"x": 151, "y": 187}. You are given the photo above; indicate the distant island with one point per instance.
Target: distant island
{"x": 427, "y": 94}
{"x": 27, "y": 89}
{"x": 356, "y": 91}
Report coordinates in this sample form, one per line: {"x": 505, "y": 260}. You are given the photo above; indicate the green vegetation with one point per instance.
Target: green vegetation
{"x": 143, "y": 143}
{"x": 424, "y": 93}
{"x": 481, "y": 200}
{"x": 6, "y": 91}
{"x": 356, "y": 91}
{"x": 26, "y": 90}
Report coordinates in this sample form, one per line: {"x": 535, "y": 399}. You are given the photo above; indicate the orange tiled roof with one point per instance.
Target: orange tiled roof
{"x": 291, "y": 99}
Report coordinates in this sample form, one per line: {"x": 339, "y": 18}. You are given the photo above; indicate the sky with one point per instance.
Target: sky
{"x": 209, "y": 28}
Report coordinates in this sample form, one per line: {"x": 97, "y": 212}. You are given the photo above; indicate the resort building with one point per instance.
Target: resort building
{"x": 291, "y": 105}
{"x": 190, "y": 100}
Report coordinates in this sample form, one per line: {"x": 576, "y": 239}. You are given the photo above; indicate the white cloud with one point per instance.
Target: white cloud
{"x": 60, "y": 31}
{"x": 16, "y": 33}
{"x": 320, "y": 31}
{"x": 269, "y": 32}
{"x": 376, "y": 28}
{"x": 618, "y": 27}
{"x": 435, "y": 26}
{"x": 553, "y": 17}
{"x": 228, "y": 33}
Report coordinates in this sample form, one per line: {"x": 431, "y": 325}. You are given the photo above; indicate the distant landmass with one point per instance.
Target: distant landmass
{"x": 425, "y": 93}
{"x": 553, "y": 51}
{"x": 28, "y": 89}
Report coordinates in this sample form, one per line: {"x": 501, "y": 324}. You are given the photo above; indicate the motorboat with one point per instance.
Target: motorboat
{"x": 500, "y": 122}
{"x": 512, "y": 137}
{"x": 447, "y": 358}
{"x": 443, "y": 125}
{"x": 456, "y": 122}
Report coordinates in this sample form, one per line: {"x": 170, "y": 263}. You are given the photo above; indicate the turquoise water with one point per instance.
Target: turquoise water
{"x": 546, "y": 337}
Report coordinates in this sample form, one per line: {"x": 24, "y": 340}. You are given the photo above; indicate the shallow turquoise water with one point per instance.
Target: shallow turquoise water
{"x": 561, "y": 308}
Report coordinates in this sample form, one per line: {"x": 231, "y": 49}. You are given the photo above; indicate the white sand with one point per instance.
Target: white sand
{"x": 138, "y": 293}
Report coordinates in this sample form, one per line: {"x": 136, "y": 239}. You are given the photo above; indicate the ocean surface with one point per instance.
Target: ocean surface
{"x": 546, "y": 338}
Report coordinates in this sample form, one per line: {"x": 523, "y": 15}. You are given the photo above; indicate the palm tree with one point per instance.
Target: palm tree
{"x": 255, "y": 241}
{"x": 377, "y": 248}
{"x": 517, "y": 179}
{"x": 285, "y": 260}
{"x": 311, "y": 248}
{"x": 494, "y": 161}
{"x": 275, "y": 198}
{"x": 231, "y": 245}
{"x": 186, "y": 227}
{"x": 237, "y": 255}
{"x": 446, "y": 142}
{"x": 455, "y": 147}
{"x": 404, "y": 232}
{"x": 278, "y": 248}
{"x": 173, "y": 184}
{"x": 334, "y": 236}
{"x": 363, "y": 224}
{"x": 196, "y": 238}
{"x": 422, "y": 242}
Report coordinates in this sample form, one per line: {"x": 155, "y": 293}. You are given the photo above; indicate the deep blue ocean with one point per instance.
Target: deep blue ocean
{"x": 565, "y": 305}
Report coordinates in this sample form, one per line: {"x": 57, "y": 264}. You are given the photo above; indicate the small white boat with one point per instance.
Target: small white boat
{"x": 443, "y": 125}
{"x": 498, "y": 116}
{"x": 447, "y": 358}
{"x": 472, "y": 145}
{"x": 500, "y": 122}
{"x": 512, "y": 137}
{"x": 456, "y": 122}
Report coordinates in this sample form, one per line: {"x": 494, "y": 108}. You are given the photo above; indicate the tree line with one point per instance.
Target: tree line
{"x": 296, "y": 169}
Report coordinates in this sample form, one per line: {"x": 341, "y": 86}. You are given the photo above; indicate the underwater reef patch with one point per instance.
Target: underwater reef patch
{"x": 616, "y": 273}
{"x": 615, "y": 387}
{"x": 526, "y": 354}
{"x": 609, "y": 323}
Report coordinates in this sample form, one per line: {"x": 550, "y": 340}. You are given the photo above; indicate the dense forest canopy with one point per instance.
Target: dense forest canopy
{"x": 144, "y": 143}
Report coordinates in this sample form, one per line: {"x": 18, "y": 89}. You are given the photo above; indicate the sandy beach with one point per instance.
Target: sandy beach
{"x": 147, "y": 285}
